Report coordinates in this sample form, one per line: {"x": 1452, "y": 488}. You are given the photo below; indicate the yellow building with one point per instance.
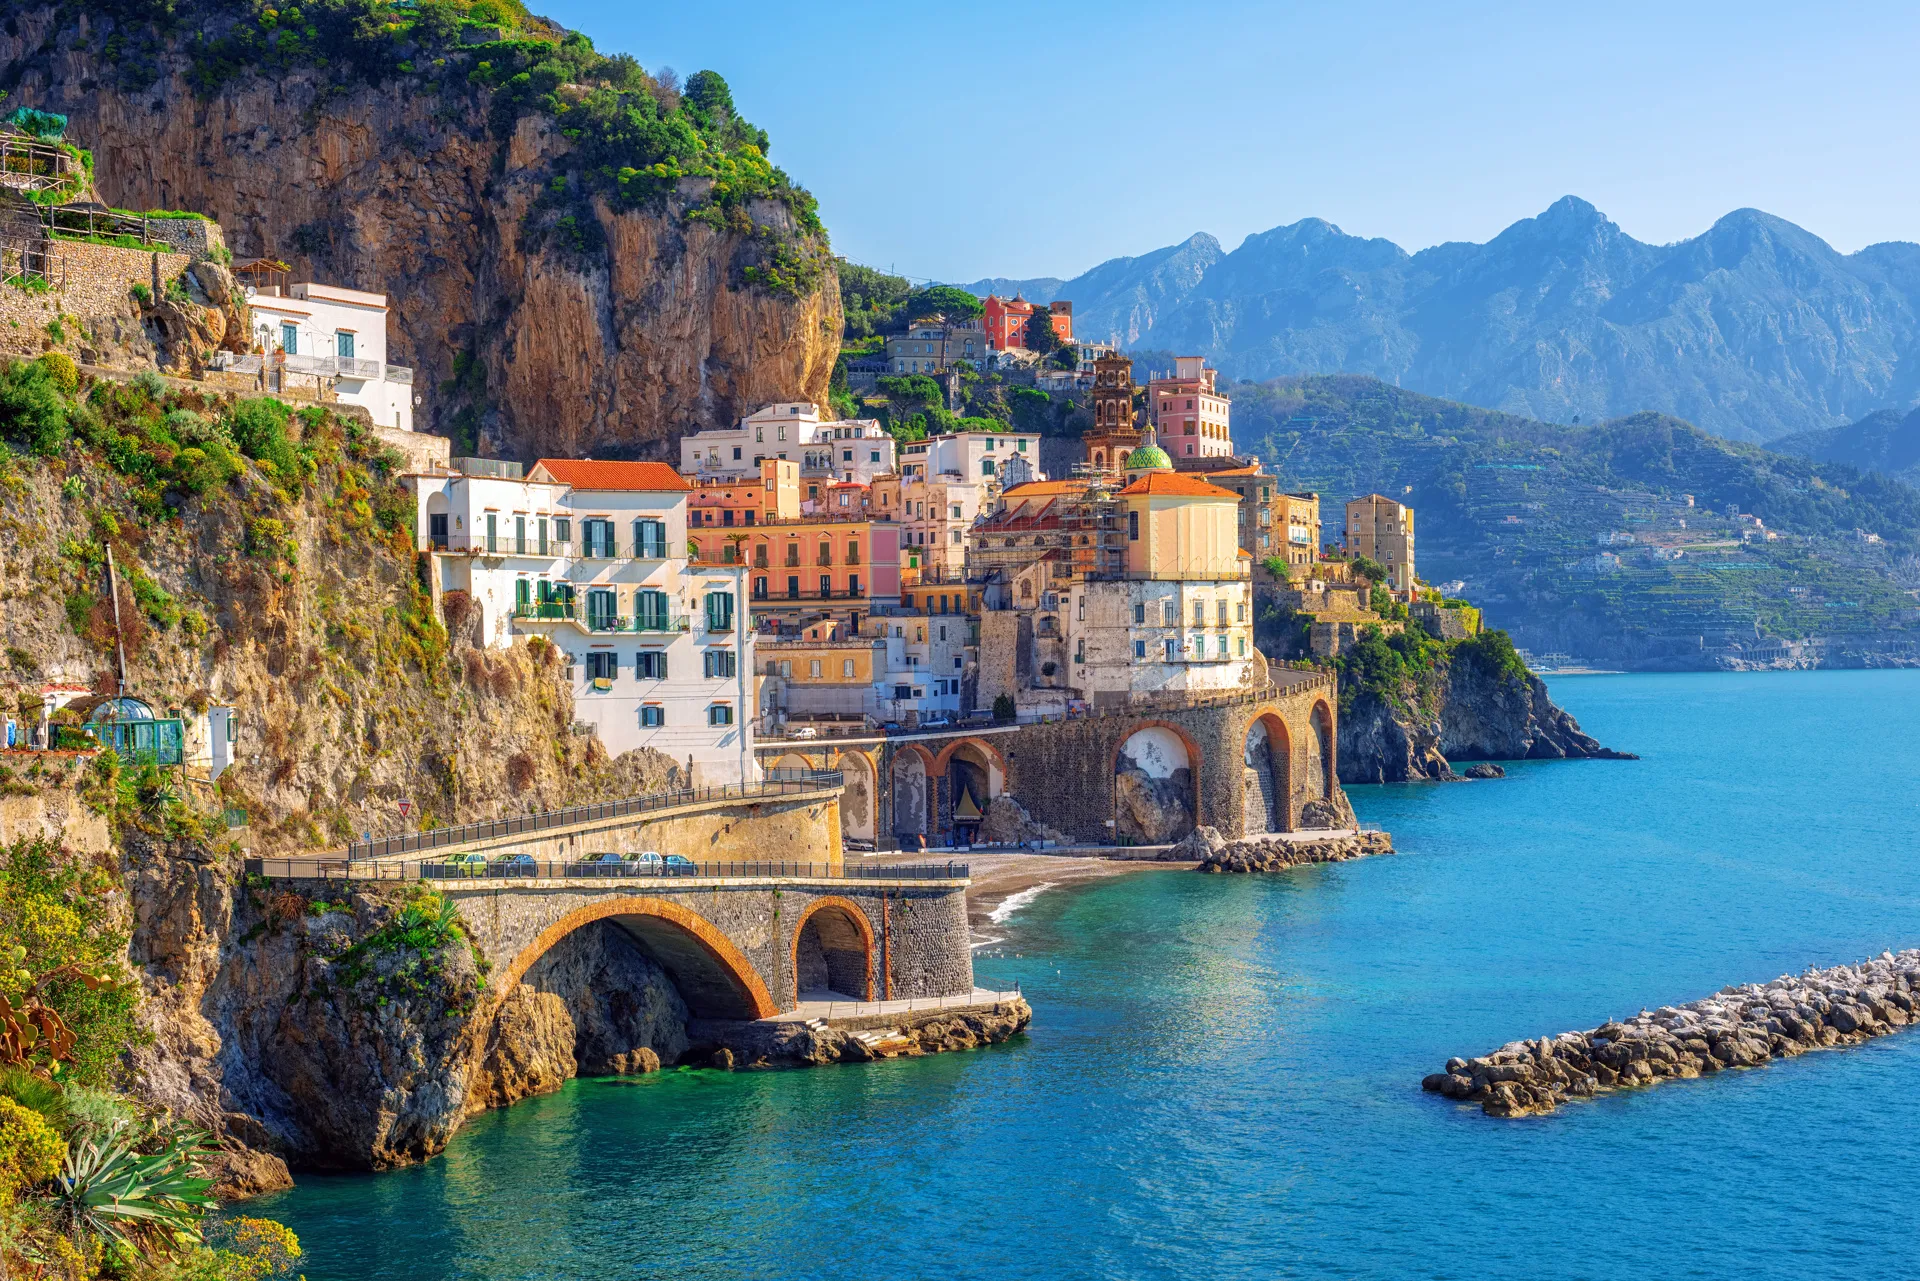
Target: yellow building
{"x": 1382, "y": 530}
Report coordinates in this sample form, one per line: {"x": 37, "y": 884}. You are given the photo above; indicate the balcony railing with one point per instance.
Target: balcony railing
{"x": 524, "y": 867}
{"x": 576, "y": 612}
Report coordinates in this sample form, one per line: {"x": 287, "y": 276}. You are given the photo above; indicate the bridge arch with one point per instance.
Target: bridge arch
{"x": 833, "y": 949}
{"x": 1267, "y": 795}
{"x": 713, "y": 977}
{"x": 1156, "y": 783}
{"x": 860, "y": 801}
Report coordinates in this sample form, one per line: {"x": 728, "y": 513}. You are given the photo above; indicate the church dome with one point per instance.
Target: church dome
{"x": 1149, "y": 457}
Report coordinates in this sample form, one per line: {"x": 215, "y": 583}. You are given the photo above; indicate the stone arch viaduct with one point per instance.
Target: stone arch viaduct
{"x": 1244, "y": 761}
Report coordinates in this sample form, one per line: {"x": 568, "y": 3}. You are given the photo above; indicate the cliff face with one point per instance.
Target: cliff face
{"x": 610, "y": 351}
{"x": 1471, "y": 713}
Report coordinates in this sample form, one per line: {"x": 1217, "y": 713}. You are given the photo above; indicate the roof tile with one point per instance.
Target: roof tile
{"x": 585, "y": 473}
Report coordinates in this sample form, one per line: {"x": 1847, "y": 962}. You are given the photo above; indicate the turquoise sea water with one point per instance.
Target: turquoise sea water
{"x": 1222, "y": 1080}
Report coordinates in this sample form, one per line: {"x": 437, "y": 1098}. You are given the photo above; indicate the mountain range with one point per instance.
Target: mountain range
{"x": 1887, "y": 442}
{"x": 1754, "y": 330}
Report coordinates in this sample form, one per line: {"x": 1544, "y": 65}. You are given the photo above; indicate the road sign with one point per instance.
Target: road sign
{"x": 406, "y": 807}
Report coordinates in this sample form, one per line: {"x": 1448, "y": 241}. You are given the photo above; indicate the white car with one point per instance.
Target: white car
{"x": 802, "y": 731}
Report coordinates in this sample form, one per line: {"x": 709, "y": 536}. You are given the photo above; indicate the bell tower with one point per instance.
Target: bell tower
{"x": 1114, "y": 433}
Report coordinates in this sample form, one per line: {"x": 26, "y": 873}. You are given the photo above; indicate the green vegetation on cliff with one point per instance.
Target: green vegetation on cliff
{"x": 92, "y": 1182}
{"x": 634, "y": 135}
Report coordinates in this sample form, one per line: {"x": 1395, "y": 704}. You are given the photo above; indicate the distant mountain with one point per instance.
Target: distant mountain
{"x": 1518, "y": 509}
{"x": 1754, "y": 330}
{"x": 1887, "y": 442}
{"x": 1039, "y": 289}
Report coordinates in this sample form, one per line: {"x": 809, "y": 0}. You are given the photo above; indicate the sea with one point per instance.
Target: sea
{"x": 1222, "y": 1076}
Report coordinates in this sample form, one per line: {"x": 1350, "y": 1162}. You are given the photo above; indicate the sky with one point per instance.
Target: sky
{"x": 958, "y": 141}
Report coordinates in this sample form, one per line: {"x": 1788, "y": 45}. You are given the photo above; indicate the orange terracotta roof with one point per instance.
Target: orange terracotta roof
{"x": 585, "y": 473}
{"x": 1245, "y": 554}
{"x": 1230, "y": 471}
{"x": 1044, "y": 489}
{"x": 1173, "y": 484}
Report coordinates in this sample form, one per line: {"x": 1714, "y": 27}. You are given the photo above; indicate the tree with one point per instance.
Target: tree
{"x": 1367, "y": 567}
{"x": 1040, "y": 333}
{"x": 708, "y": 91}
{"x": 1065, "y": 358}
{"x": 943, "y": 300}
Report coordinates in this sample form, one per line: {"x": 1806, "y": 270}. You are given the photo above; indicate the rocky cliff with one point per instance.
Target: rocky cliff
{"x": 540, "y": 313}
{"x": 1467, "y": 710}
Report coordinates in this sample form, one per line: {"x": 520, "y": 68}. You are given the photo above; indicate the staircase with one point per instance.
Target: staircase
{"x": 1261, "y": 809}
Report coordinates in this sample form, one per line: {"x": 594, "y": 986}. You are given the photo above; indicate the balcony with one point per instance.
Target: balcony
{"x": 599, "y": 624}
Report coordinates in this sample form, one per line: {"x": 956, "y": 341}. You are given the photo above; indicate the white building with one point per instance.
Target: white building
{"x": 593, "y": 556}
{"x": 336, "y": 333}
{"x": 982, "y": 456}
{"x": 856, "y": 449}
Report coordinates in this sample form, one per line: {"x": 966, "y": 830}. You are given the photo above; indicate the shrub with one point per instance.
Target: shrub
{"x": 267, "y": 539}
{"x": 142, "y": 295}
{"x": 151, "y": 385}
{"x": 31, "y": 1150}
{"x": 33, "y": 412}
{"x": 259, "y": 427}
{"x": 1003, "y": 707}
{"x": 66, "y": 374}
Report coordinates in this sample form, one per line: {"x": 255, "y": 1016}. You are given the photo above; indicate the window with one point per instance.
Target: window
{"x": 853, "y": 551}
{"x": 793, "y": 555}
{"x": 1223, "y": 646}
{"x": 1139, "y": 613}
{"x": 1023, "y": 446}
{"x": 759, "y": 555}
{"x": 1199, "y": 613}
{"x": 1133, "y": 527}
{"x": 437, "y": 530}
{"x": 520, "y": 535}
{"x": 846, "y": 669}
{"x": 846, "y": 455}
{"x": 760, "y": 587}
{"x": 786, "y": 669}
{"x": 873, "y": 455}
{"x": 596, "y": 539}
{"x": 1080, "y": 650}
{"x": 813, "y": 668}
{"x": 736, "y": 453}
{"x": 853, "y": 585}
{"x": 956, "y": 537}
{"x": 543, "y": 535}
{"x": 343, "y": 344}
{"x": 718, "y": 663}
{"x": 901, "y": 692}
{"x": 1243, "y": 646}
{"x": 1240, "y": 612}
{"x": 1222, "y": 612}
{"x": 289, "y": 339}
{"x": 825, "y": 556}
{"x": 650, "y": 539}
{"x": 793, "y": 587}
{"x": 603, "y": 610}
{"x": 652, "y": 716}
{"x": 720, "y": 714}
{"x": 1173, "y": 648}
{"x": 602, "y": 666}
{"x": 719, "y": 611}
{"x": 1169, "y": 614}
{"x": 650, "y": 611}
{"x": 1139, "y": 649}
{"x": 956, "y": 511}
{"x": 491, "y": 544}
{"x": 826, "y": 586}
{"x": 650, "y": 665}
{"x": 986, "y": 466}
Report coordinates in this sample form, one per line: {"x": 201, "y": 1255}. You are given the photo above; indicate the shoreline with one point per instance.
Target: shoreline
{"x": 1000, "y": 876}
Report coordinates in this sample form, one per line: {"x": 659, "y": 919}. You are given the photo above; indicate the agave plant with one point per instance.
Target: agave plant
{"x": 110, "y": 1192}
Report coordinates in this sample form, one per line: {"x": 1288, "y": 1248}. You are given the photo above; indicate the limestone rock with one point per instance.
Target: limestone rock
{"x": 529, "y": 1051}
{"x": 1007, "y": 822}
{"x": 239, "y": 1173}
{"x": 1485, "y": 769}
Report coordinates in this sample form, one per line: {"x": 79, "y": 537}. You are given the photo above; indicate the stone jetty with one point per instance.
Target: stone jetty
{"x": 1214, "y": 852}
{"x": 1735, "y": 1027}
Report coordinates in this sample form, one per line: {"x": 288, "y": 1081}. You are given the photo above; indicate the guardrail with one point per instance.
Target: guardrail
{"x": 525, "y": 867}
{"x": 776, "y": 782}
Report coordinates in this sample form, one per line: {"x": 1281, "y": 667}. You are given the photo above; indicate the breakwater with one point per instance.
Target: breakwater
{"x": 1274, "y": 852}
{"x": 1742, "y": 1026}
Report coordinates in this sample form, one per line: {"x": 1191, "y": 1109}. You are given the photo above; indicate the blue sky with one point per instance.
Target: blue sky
{"x": 954, "y": 141}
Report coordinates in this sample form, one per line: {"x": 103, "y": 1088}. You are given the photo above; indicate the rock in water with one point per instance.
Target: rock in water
{"x": 1743, "y": 1026}
{"x": 1485, "y": 769}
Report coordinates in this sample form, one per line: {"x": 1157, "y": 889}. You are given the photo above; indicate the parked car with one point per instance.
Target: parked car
{"x": 803, "y": 731}
{"x": 518, "y": 865}
{"x": 599, "y": 865}
{"x": 648, "y": 861}
{"x": 680, "y": 865}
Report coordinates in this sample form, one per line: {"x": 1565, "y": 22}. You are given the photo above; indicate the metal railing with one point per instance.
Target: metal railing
{"x": 525, "y": 867}
{"x": 399, "y": 374}
{"x": 775, "y": 782}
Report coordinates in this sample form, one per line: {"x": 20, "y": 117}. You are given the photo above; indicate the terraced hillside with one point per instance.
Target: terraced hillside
{"x": 1641, "y": 542}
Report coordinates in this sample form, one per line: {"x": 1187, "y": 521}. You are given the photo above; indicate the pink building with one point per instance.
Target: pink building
{"x": 1190, "y": 417}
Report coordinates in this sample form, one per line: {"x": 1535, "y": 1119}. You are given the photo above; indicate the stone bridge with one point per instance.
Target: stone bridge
{"x": 736, "y": 946}
{"x": 1244, "y": 761}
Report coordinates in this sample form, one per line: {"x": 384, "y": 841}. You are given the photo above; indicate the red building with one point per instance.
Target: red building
{"x": 1005, "y": 321}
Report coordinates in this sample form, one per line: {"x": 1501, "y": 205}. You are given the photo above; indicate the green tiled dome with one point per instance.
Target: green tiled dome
{"x": 1149, "y": 457}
